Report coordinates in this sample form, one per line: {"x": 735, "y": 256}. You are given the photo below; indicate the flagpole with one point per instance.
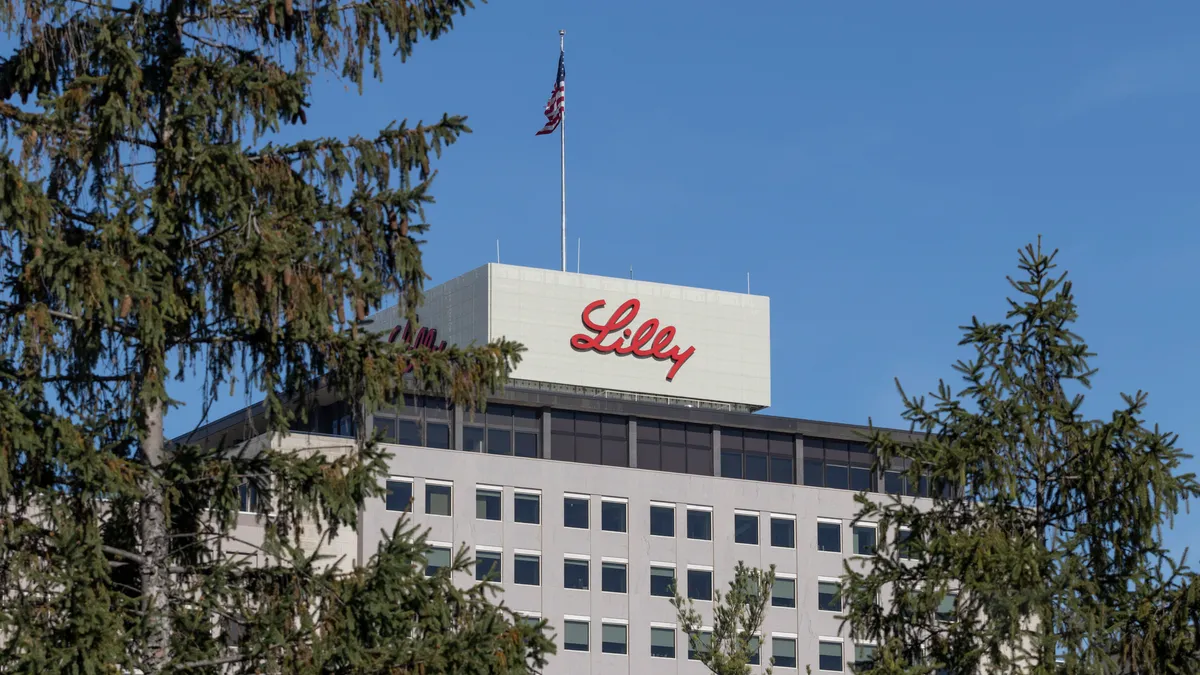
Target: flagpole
{"x": 562, "y": 160}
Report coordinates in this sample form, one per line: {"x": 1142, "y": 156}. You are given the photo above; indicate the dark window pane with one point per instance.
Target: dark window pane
{"x": 487, "y": 505}
{"x": 783, "y": 593}
{"x": 247, "y": 498}
{"x": 561, "y": 420}
{"x": 783, "y": 532}
{"x": 612, "y": 577}
{"x": 893, "y": 483}
{"x": 575, "y": 512}
{"x": 745, "y": 528}
{"x": 699, "y": 584}
{"x": 615, "y": 452}
{"x": 756, "y": 466}
{"x": 575, "y": 574}
{"x": 525, "y": 418}
{"x": 699, "y": 524}
{"x": 526, "y": 444}
{"x": 662, "y": 521}
{"x": 647, "y": 430}
{"x": 699, "y": 436}
{"x": 864, "y": 540}
{"x": 674, "y": 432}
{"x": 575, "y": 636}
{"x": 837, "y": 476}
{"x": 527, "y": 508}
{"x": 649, "y": 454}
{"x": 860, "y": 479}
{"x": 386, "y": 428}
{"x": 662, "y": 579}
{"x": 829, "y": 596}
{"x": 409, "y": 432}
{"x": 923, "y": 487}
{"x": 437, "y": 435}
{"x": 527, "y": 570}
{"x": 587, "y": 449}
{"x": 473, "y": 439}
{"x": 399, "y": 495}
{"x": 814, "y": 473}
{"x": 674, "y": 458}
{"x": 860, "y": 449}
{"x": 437, "y": 500}
{"x": 436, "y": 559}
{"x": 614, "y": 638}
{"x": 587, "y": 423}
{"x": 731, "y": 439}
{"x": 699, "y": 461}
{"x": 783, "y": 650}
{"x": 499, "y": 416}
{"x": 562, "y": 447}
{"x": 830, "y": 656}
{"x": 487, "y": 566}
{"x": 499, "y": 442}
{"x": 612, "y": 516}
{"x": 436, "y": 407}
{"x": 614, "y": 427}
{"x": 731, "y": 463}
{"x": 781, "y": 470}
{"x": 756, "y": 441}
{"x": 662, "y": 642}
{"x": 782, "y": 445}
{"x": 829, "y": 537}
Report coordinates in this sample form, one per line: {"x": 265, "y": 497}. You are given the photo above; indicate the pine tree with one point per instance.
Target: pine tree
{"x": 1042, "y": 550}
{"x": 150, "y": 231}
{"x": 737, "y": 622}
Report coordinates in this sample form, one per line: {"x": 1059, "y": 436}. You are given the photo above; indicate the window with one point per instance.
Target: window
{"x": 527, "y": 507}
{"x": 612, "y": 515}
{"x": 436, "y": 558}
{"x": 829, "y": 596}
{"x": 754, "y": 646}
{"x": 575, "y": 511}
{"x": 437, "y": 498}
{"x": 662, "y": 642}
{"x": 829, "y": 536}
{"x": 838, "y": 464}
{"x": 864, "y": 539}
{"x": 830, "y": 656}
{"x": 503, "y": 430}
{"x": 757, "y": 455}
{"x": 783, "y": 593}
{"x": 248, "y": 498}
{"x": 783, "y": 532}
{"x": 613, "y": 576}
{"x": 945, "y": 610}
{"x": 783, "y": 650}
{"x": 487, "y": 503}
{"x": 699, "y": 584}
{"x": 662, "y": 581}
{"x": 531, "y": 620}
{"x": 589, "y": 438}
{"x": 487, "y": 565}
{"x": 699, "y": 643}
{"x": 421, "y": 421}
{"x": 662, "y": 520}
{"x": 699, "y": 524}
{"x": 399, "y": 495}
{"x": 904, "y": 545}
{"x": 745, "y": 528}
{"x": 575, "y": 573}
{"x": 896, "y": 481}
{"x": 614, "y": 638}
{"x": 527, "y": 569}
{"x": 864, "y": 656}
{"x": 675, "y": 446}
{"x": 575, "y": 635}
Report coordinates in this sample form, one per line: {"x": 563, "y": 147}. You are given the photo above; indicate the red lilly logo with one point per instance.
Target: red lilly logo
{"x": 649, "y": 340}
{"x": 425, "y": 337}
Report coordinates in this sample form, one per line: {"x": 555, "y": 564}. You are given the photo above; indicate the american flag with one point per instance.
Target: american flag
{"x": 558, "y": 99}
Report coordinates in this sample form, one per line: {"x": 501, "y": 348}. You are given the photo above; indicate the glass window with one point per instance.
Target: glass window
{"x": 248, "y": 498}
{"x": 699, "y": 524}
{"x": 837, "y": 476}
{"x": 499, "y": 442}
{"x": 575, "y": 512}
{"x": 864, "y": 656}
{"x": 527, "y": 508}
{"x": 903, "y": 547}
{"x": 662, "y": 581}
{"x": 527, "y": 569}
{"x": 473, "y": 438}
{"x": 700, "y": 643}
{"x": 612, "y": 577}
{"x": 700, "y": 584}
{"x": 526, "y": 444}
{"x": 575, "y": 574}
{"x": 864, "y": 540}
{"x": 829, "y": 596}
{"x": 437, "y": 499}
{"x": 530, "y": 620}
{"x": 487, "y": 504}
{"x": 575, "y": 635}
{"x": 436, "y": 558}
{"x": 731, "y": 464}
{"x": 783, "y": 650}
{"x": 612, "y": 516}
{"x": 745, "y": 528}
{"x": 487, "y": 566}
{"x": 755, "y": 649}
{"x": 893, "y": 483}
{"x": 830, "y": 656}
{"x": 437, "y": 435}
{"x": 860, "y": 479}
{"x": 662, "y": 521}
{"x": 781, "y": 470}
{"x": 783, "y": 593}
{"x": 756, "y": 466}
{"x": 945, "y": 610}
{"x": 662, "y": 642}
{"x": 399, "y": 495}
{"x": 783, "y": 532}
{"x": 614, "y": 638}
{"x": 829, "y": 537}
{"x": 814, "y": 473}
{"x": 408, "y": 432}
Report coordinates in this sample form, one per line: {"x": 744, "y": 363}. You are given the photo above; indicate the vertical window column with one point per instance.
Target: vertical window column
{"x": 589, "y": 438}
{"x": 502, "y": 430}
{"x": 675, "y": 446}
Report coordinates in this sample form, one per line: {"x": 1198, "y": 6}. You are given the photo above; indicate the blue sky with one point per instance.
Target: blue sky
{"x": 873, "y": 166}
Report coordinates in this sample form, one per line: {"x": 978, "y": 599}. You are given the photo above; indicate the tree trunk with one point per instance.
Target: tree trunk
{"x": 155, "y": 549}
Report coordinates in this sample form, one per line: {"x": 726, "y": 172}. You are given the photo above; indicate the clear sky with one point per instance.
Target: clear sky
{"x": 873, "y": 166}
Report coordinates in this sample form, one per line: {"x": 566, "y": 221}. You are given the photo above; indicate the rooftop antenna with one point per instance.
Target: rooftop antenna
{"x": 578, "y": 251}
{"x": 631, "y": 271}
{"x": 747, "y": 283}
{"x": 497, "y": 251}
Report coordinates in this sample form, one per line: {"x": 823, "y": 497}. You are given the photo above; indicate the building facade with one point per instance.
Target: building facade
{"x": 626, "y": 457}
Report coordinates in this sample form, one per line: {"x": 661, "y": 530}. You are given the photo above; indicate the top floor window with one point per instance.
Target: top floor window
{"x": 838, "y": 464}
{"x": 422, "y": 421}
{"x": 589, "y": 438}
{"x": 675, "y": 446}
{"x": 757, "y": 455}
{"x": 502, "y": 430}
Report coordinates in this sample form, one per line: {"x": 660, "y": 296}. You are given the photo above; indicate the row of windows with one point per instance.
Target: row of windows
{"x": 614, "y": 516}
{"x": 614, "y": 639}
